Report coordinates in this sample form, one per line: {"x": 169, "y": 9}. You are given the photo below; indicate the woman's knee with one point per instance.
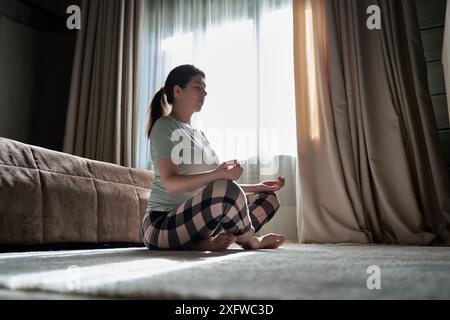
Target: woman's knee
{"x": 272, "y": 198}
{"x": 227, "y": 187}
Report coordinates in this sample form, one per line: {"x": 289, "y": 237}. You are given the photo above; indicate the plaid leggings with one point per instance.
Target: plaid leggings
{"x": 219, "y": 206}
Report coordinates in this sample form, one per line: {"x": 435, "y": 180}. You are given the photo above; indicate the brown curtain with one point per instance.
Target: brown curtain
{"x": 371, "y": 166}
{"x": 446, "y": 55}
{"x": 101, "y": 120}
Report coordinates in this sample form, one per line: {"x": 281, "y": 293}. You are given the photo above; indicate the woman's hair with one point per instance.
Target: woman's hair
{"x": 180, "y": 76}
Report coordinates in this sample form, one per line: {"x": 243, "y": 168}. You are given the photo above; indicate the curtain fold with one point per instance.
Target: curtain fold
{"x": 371, "y": 166}
{"x": 101, "y": 122}
{"x": 446, "y": 54}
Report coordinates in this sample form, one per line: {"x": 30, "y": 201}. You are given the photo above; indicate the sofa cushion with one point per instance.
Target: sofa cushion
{"x": 16, "y": 154}
{"x": 58, "y": 162}
{"x": 69, "y": 208}
{"x": 118, "y": 219}
{"x": 49, "y": 197}
{"x": 20, "y": 205}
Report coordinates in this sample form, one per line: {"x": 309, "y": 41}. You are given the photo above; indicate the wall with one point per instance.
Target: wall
{"x": 431, "y": 15}
{"x": 36, "y": 54}
{"x": 57, "y": 7}
{"x": 17, "y": 52}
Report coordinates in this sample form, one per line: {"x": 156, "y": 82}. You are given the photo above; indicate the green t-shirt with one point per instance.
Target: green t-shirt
{"x": 186, "y": 146}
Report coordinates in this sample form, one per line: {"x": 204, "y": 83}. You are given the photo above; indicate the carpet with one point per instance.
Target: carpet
{"x": 295, "y": 271}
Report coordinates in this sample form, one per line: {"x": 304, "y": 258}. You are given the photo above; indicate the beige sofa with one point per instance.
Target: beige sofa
{"x": 51, "y": 197}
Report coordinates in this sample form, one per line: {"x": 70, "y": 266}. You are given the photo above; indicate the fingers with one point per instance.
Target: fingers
{"x": 235, "y": 172}
{"x": 224, "y": 165}
{"x": 271, "y": 185}
{"x": 281, "y": 181}
{"x": 237, "y": 167}
{"x": 275, "y": 185}
{"x": 231, "y": 164}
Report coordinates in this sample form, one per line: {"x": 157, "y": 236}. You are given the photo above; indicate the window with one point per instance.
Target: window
{"x": 249, "y": 113}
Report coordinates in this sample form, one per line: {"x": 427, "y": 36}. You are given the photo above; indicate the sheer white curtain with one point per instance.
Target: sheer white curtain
{"x": 245, "y": 49}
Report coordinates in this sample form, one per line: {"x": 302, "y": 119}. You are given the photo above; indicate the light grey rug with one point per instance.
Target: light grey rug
{"x": 294, "y": 271}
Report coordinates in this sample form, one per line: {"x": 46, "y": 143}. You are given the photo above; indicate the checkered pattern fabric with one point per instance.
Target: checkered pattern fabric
{"x": 221, "y": 206}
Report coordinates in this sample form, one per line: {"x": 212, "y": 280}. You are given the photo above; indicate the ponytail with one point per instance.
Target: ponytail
{"x": 158, "y": 108}
{"x": 180, "y": 76}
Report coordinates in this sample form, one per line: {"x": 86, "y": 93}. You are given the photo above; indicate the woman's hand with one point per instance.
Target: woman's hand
{"x": 271, "y": 185}
{"x": 224, "y": 173}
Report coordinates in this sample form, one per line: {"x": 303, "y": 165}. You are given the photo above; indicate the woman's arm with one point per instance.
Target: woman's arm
{"x": 249, "y": 188}
{"x": 174, "y": 182}
{"x": 271, "y": 185}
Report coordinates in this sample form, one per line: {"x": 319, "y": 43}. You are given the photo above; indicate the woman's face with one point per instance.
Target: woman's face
{"x": 193, "y": 95}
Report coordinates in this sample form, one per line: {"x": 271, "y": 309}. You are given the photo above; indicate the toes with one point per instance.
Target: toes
{"x": 231, "y": 238}
{"x": 274, "y": 241}
{"x": 223, "y": 241}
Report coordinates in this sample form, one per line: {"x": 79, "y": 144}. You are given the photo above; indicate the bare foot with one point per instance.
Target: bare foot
{"x": 269, "y": 241}
{"x": 219, "y": 243}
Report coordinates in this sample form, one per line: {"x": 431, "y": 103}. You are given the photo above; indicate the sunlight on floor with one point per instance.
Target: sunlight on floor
{"x": 80, "y": 278}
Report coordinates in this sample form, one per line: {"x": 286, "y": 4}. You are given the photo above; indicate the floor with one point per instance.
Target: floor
{"x": 295, "y": 271}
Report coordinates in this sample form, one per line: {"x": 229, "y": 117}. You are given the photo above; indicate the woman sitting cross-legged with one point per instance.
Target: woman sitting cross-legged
{"x": 195, "y": 203}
